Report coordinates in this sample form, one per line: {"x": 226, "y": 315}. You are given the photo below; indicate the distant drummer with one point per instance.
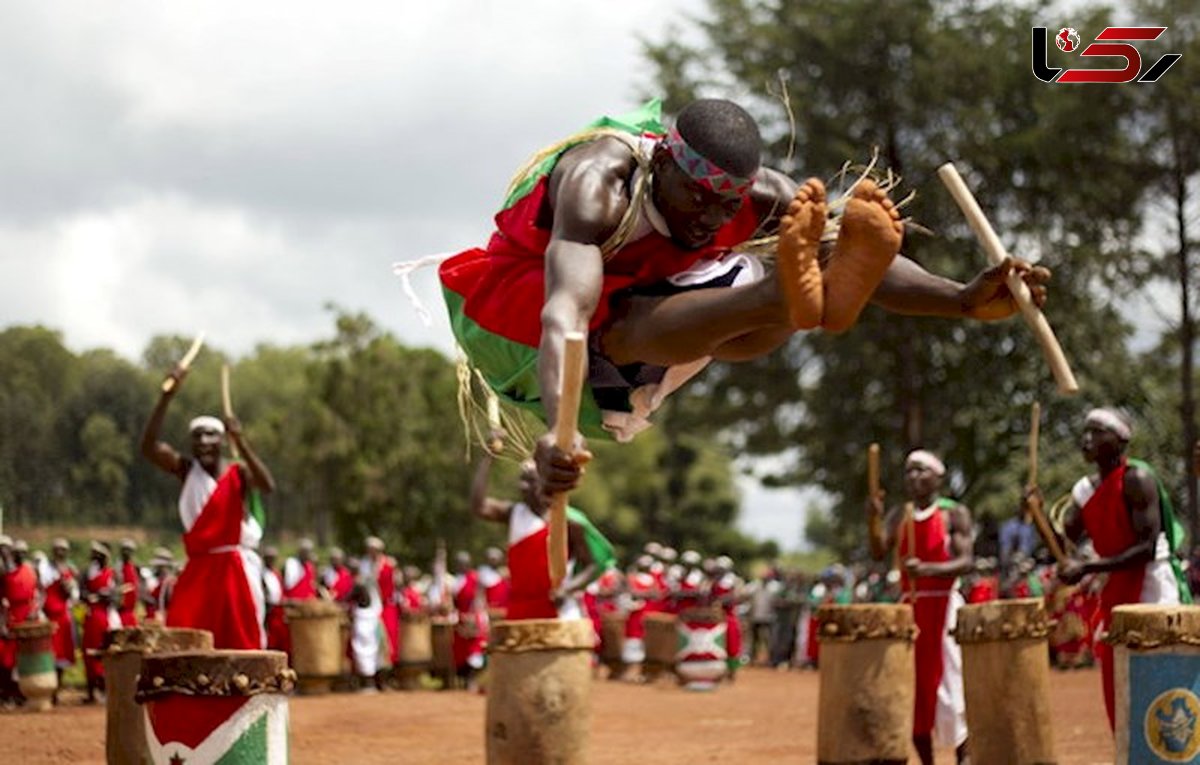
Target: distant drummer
{"x": 933, "y": 536}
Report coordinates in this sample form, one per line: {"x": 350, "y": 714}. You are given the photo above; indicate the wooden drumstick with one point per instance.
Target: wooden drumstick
{"x": 168, "y": 384}
{"x": 564, "y": 438}
{"x": 997, "y": 255}
{"x": 227, "y": 404}
{"x": 1039, "y": 519}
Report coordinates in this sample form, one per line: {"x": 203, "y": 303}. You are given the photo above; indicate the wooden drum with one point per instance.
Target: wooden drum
{"x": 538, "y": 707}
{"x": 416, "y": 650}
{"x": 317, "y": 647}
{"x": 662, "y": 640}
{"x": 868, "y": 683}
{"x": 1006, "y": 681}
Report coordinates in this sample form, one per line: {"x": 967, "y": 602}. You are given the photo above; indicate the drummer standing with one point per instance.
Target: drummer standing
{"x": 933, "y": 538}
{"x": 1125, "y": 511}
{"x": 530, "y": 595}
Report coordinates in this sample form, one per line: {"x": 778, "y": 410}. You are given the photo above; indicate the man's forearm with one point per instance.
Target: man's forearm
{"x": 1138, "y": 555}
{"x": 261, "y": 475}
{"x": 911, "y": 290}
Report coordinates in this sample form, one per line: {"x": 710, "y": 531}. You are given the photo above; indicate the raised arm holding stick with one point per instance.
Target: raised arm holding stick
{"x": 220, "y": 588}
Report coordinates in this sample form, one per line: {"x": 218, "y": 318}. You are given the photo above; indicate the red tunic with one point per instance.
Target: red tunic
{"x": 129, "y": 594}
{"x": 278, "y": 636}
{"x": 529, "y": 566}
{"x": 932, "y": 539}
{"x": 97, "y": 622}
{"x": 214, "y": 592}
{"x": 1107, "y": 523}
{"x": 644, "y": 587}
{"x": 470, "y": 636}
{"x": 340, "y": 583}
{"x": 306, "y": 587}
{"x": 390, "y": 615}
{"x": 57, "y": 608}
{"x": 723, "y": 587}
{"x": 985, "y": 589}
{"x": 20, "y": 589}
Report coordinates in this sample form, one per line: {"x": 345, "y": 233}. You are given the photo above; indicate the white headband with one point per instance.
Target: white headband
{"x": 1111, "y": 420}
{"x": 206, "y": 422}
{"x": 925, "y": 459}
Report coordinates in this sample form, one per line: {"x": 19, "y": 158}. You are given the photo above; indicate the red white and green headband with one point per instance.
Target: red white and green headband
{"x": 704, "y": 171}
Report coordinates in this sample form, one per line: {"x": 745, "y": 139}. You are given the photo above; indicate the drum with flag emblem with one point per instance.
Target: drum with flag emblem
{"x": 124, "y": 650}
{"x": 701, "y": 657}
{"x": 868, "y": 686}
{"x": 37, "y": 678}
{"x": 204, "y": 707}
{"x": 1156, "y": 680}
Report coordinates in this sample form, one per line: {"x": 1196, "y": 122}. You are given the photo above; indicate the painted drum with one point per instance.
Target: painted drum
{"x": 1156, "y": 679}
{"x": 36, "y": 675}
{"x": 701, "y": 658}
{"x": 205, "y": 707}
{"x": 124, "y": 650}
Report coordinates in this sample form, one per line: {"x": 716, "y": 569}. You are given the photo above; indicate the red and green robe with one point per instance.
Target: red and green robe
{"x": 1107, "y": 523}
{"x": 220, "y": 588}
{"x": 495, "y": 295}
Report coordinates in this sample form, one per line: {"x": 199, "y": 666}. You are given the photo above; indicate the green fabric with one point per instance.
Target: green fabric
{"x": 1171, "y": 526}
{"x": 604, "y": 555}
{"x": 646, "y": 119}
{"x": 1035, "y": 586}
{"x": 519, "y": 386}
{"x": 946, "y": 503}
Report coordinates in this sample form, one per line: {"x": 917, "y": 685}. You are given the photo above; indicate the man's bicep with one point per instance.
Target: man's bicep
{"x": 1145, "y": 512}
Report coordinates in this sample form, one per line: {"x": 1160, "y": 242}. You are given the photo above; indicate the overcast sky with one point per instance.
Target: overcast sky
{"x": 231, "y": 167}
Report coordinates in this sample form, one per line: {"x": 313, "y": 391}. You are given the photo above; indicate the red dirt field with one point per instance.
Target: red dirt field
{"x": 765, "y": 717}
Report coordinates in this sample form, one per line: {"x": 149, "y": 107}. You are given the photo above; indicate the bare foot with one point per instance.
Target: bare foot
{"x": 797, "y": 268}
{"x": 867, "y": 243}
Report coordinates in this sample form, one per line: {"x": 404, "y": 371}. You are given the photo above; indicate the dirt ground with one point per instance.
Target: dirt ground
{"x": 765, "y": 717}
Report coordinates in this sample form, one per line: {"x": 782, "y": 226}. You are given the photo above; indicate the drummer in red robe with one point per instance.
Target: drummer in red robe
{"x": 101, "y": 595}
{"x": 337, "y": 577}
{"x": 300, "y": 574}
{"x": 933, "y": 537}
{"x": 129, "y": 581}
{"x": 1124, "y": 509}
{"x": 220, "y": 588}
{"x": 19, "y": 592}
{"x": 530, "y": 594}
{"x": 60, "y": 583}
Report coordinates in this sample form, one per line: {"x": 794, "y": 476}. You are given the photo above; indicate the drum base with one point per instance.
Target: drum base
{"x": 313, "y": 686}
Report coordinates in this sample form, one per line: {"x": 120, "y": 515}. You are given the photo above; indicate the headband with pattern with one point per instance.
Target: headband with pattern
{"x": 704, "y": 171}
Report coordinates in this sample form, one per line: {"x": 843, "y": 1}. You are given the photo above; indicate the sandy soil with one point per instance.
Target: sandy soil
{"x": 765, "y": 717}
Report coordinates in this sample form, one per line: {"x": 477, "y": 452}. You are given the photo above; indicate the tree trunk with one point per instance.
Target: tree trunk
{"x": 1187, "y": 337}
